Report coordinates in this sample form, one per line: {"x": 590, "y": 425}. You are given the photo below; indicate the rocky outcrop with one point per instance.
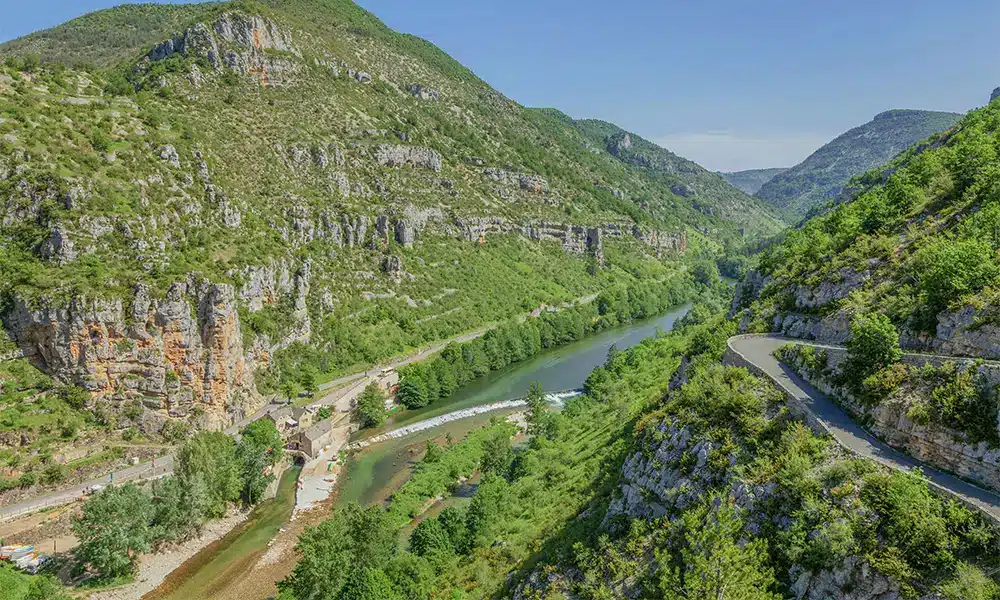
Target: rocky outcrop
{"x": 576, "y": 239}
{"x": 423, "y": 92}
{"x": 662, "y": 241}
{"x": 174, "y": 355}
{"x": 968, "y": 331}
{"x": 236, "y": 41}
{"x": 854, "y": 579}
{"x": 526, "y": 181}
{"x": 389, "y": 155}
{"x": 654, "y": 483}
{"x": 831, "y": 290}
{"x": 58, "y": 247}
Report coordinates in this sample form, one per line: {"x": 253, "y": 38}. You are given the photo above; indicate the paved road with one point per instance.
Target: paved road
{"x": 758, "y": 350}
{"x": 163, "y": 466}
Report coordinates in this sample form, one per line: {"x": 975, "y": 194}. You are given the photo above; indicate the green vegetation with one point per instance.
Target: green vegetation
{"x": 122, "y": 522}
{"x": 923, "y": 231}
{"x": 873, "y": 346}
{"x": 815, "y": 182}
{"x": 136, "y": 171}
{"x": 960, "y": 398}
{"x": 370, "y": 410}
{"x": 105, "y": 37}
{"x": 19, "y": 586}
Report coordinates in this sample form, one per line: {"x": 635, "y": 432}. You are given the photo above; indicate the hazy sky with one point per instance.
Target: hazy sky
{"x": 731, "y": 84}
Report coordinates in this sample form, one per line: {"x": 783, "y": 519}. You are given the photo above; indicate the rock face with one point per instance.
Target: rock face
{"x": 415, "y": 156}
{"x": 831, "y": 290}
{"x": 653, "y": 483}
{"x": 576, "y": 239}
{"x": 424, "y": 93}
{"x": 58, "y": 247}
{"x": 174, "y": 355}
{"x": 853, "y": 580}
{"x": 235, "y": 41}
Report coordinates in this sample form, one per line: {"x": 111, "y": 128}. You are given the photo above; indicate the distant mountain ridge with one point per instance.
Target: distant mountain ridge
{"x": 751, "y": 180}
{"x": 821, "y": 176}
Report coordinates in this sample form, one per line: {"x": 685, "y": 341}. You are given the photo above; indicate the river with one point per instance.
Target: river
{"x": 233, "y": 567}
{"x": 373, "y": 473}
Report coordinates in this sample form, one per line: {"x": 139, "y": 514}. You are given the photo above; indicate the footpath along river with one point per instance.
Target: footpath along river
{"x": 238, "y": 566}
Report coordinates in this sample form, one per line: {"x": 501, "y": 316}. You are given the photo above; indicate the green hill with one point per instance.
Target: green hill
{"x": 751, "y": 180}
{"x": 820, "y": 178}
{"x": 251, "y": 196}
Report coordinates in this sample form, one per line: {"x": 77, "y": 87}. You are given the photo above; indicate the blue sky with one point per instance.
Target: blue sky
{"x": 729, "y": 83}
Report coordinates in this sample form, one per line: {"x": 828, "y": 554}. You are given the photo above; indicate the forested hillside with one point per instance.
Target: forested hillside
{"x": 751, "y": 180}
{"x": 700, "y": 485}
{"x": 819, "y": 179}
{"x": 177, "y": 240}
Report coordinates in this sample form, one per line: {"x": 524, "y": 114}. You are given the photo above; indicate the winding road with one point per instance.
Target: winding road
{"x": 758, "y": 350}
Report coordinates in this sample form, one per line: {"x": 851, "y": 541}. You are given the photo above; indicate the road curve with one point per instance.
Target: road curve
{"x": 758, "y": 350}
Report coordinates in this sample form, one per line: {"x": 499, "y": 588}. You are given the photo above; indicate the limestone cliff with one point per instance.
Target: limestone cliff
{"x": 179, "y": 356}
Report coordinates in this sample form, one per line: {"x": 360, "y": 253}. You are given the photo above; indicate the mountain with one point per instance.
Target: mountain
{"x": 707, "y": 192}
{"x": 821, "y": 177}
{"x": 909, "y": 261}
{"x": 236, "y": 199}
{"x": 751, "y": 180}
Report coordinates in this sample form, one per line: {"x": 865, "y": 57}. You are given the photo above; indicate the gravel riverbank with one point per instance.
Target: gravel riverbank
{"x": 154, "y": 568}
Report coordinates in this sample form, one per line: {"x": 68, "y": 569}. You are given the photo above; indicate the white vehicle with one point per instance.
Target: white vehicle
{"x": 94, "y": 489}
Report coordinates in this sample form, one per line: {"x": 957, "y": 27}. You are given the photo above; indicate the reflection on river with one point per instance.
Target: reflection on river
{"x": 373, "y": 473}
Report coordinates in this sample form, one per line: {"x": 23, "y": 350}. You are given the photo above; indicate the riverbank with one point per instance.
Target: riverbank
{"x": 155, "y": 568}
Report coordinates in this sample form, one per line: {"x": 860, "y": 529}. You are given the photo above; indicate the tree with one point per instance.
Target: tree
{"x": 874, "y": 345}
{"x": 445, "y": 376}
{"x": 212, "y": 457}
{"x": 705, "y": 273}
{"x": 179, "y": 507}
{"x": 412, "y": 576}
{"x": 453, "y": 520}
{"x": 430, "y": 536}
{"x": 970, "y": 583}
{"x": 264, "y": 434}
{"x": 714, "y": 564}
{"x": 353, "y": 538}
{"x": 114, "y": 529}
{"x": 370, "y": 410}
{"x": 432, "y": 452}
{"x": 368, "y": 583}
{"x": 540, "y": 423}
{"x": 412, "y": 392}
{"x": 498, "y": 454}
{"x": 254, "y": 470}
{"x": 486, "y": 510}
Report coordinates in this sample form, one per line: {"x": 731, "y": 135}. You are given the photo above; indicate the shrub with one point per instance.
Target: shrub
{"x": 874, "y": 345}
